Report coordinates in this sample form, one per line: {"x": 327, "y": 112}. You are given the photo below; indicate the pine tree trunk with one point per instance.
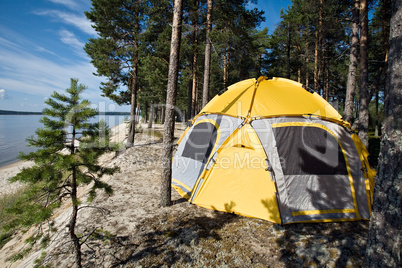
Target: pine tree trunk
{"x": 225, "y": 68}
{"x": 170, "y": 105}
{"x": 318, "y": 43}
{"x": 194, "y": 63}
{"x": 299, "y": 74}
{"x": 138, "y": 115}
{"x": 146, "y": 116}
{"x": 385, "y": 236}
{"x": 151, "y": 115}
{"x": 133, "y": 83}
{"x": 351, "y": 84}
{"x": 73, "y": 195}
{"x": 162, "y": 116}
{"x": 326, "y": 88}
{"x": 189, "y": 100}
{"x": 288, "y": 54}
{"x": 307, "y": 63}
{"x": 73, "y": 221}
{"x": 376, "y": 132}
{"x": 131, "y": 131}
{"x": 207, "y": 63}
{"x": 364, "y": 90}
{"x": 385, "y": 35}
{"x": 316, "y": 62}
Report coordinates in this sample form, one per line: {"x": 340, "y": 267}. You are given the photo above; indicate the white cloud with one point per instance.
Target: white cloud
{"x": 80, "y": 22}
{"x": 27, "y": 73}
{"x": 68, "y": 3}
{"x": 42, "y": 49}
{"x": 71, "y": 40}
{"x": 2, "y": 94}
{"x": 8, "y": 43}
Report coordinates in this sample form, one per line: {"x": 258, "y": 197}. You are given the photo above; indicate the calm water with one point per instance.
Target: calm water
{"x": 14, "y": 129}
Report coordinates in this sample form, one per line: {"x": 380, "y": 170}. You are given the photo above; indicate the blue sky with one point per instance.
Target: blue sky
{"x": 41, "y": 48}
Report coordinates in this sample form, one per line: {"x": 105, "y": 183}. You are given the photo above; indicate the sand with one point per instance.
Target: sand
{"x": 9, "y": 171}
{"x": 137, "y": 182}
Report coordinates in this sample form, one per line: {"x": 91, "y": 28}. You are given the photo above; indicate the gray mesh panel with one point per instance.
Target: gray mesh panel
{"x": 187, "y": 170}
{"x": 312, "y": 192}
{"x": 290, "y": 188}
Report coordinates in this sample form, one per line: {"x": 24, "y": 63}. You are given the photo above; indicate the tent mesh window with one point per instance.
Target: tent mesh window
{"x": 200, "y": 142}
{"x": 309, "y": 150}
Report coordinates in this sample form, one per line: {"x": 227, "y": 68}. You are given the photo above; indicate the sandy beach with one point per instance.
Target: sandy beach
{"x": 9, "y": 171}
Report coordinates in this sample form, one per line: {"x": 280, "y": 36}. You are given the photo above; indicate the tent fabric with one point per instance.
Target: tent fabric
{"x": 330, "y": 175}
{"x": 186, "y": 170}
{"x": 270, "y": 98}
{"x": 269, "y": 149}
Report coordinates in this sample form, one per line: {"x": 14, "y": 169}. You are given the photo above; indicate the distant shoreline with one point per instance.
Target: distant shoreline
{"x": 6, "y": 112}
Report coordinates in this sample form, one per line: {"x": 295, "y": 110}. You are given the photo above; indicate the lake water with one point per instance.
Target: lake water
{"x": 15, "y": 129}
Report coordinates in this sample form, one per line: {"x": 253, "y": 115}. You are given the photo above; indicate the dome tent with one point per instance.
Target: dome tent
{"x": 269, "y": 149}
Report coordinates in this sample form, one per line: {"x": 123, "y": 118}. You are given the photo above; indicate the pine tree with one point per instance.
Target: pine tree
{"x": 354, "y": 43}
{"x": 170, "y": 104}
{"x": 63, "y": 161}
{"x": 115, "y": 53}
{"x": 364, "y": 87}
{"x": 155, "y": 55}
{"x": 385, "y": 237}
{"x": 207, "y": 62}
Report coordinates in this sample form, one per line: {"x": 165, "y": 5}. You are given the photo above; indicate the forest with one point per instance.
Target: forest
{"x": 348, "y": 51}
{"x": 167, "y": 59}
{"x": 334, "y": 47}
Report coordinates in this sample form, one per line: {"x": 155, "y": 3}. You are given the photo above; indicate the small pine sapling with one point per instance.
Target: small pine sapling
{"x": 68, "y": 150}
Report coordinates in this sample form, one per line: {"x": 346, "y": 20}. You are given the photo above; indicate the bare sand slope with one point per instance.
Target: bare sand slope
{"x": 136, "y": 195}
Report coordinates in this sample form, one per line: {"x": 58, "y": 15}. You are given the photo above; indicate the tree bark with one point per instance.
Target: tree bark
{"x": 318, "y": 44}
{"x": 364, "y": 90}
{"x": 189, "y": 100}
{"x": 385, "y": 35}
{"x": 207, "y": 64}
{"x": 73, "y": 195}
{"x": 326, "y": 87}
{"x": 307, "y": 63}
{"x": 131, "y": 131}
{"x": 73, "y": 221}
{"x": 288, "y": 54}
{"x": 194, "y": 63}
{"x": 299, "y": 74}
{"x": 226, "y": 68}
{"x": 351, "y": 83}
{"x": 385, "y": 237}
{"x": 134, "y": 84}
{"x": 151, "y": 115}
{"x": 170, "y": 105}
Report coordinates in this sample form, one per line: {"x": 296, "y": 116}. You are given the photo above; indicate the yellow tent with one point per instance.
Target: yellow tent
{"x": 269, "y": 149}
